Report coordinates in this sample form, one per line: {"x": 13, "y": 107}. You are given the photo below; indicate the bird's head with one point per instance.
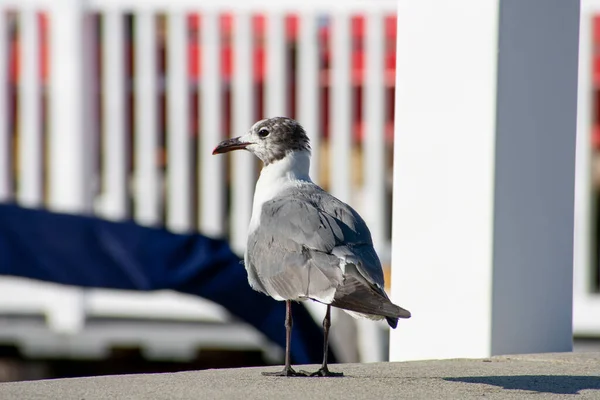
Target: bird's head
{"x": 269, "y": 139}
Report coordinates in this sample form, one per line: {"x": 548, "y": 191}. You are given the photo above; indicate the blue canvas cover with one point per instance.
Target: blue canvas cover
{"x": 91, "y": 252}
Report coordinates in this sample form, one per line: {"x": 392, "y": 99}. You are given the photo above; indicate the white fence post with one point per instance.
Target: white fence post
{"x": 178, "y": 133}
{"x": 148, "y": 187}
{"x": 483, "y": 179}
{"x": 115, "y": 151}
{"x": 374, "y": 208}
{"x": 374, "y": 130}
{"x": 340, "y": 94}
{"x": 5, "y": 142}
{"x": 72, "y": 131}
{"x": 276, "y": 76}
{"x": 30, "y": 136}
{"x": 309, "y": 99}
{"x": 71, "y": 126}
{"x": 244, "y": 163}
{"x": 212, "y": 174}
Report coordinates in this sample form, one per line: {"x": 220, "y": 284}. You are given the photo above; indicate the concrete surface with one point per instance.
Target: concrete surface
{"x": 541, "y": 376}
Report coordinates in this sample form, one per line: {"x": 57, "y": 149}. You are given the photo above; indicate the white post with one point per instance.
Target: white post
{"x": 484, "y": 176}
{"x": 370, "y": 335}
{"x": 148, "y": 193}
{"x": 374, "y": 131}
{"x": 71, "y": 156}
{"x": 276, "y": 78}
{"x": 244, "y": 164}
{"x": 307, "y": 92}
{"x": 179, "y": 200}
{"x": 5, "y": 142}
{"x": 71, "y": 139}
{"x": 115, "y": 152}
{"x": 29, "y": 191}
{"x": 340, "y": 145}
{"x": 212, "y": 169}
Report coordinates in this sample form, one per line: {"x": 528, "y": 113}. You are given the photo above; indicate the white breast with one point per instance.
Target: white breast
{"x": 277, "y": 177}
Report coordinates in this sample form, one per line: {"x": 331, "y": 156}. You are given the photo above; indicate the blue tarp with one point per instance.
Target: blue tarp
{"x": 90, "y": 252}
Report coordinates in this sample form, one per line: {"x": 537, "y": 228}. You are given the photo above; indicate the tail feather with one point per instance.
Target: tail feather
{"x": 355, "y": 296}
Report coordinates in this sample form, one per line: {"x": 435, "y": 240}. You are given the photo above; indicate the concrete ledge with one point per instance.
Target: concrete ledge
{"x": 549, "y": 375}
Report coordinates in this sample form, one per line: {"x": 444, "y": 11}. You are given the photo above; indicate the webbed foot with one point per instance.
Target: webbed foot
{"x": 286, "y": 371}
{"x": 326, "y": 373}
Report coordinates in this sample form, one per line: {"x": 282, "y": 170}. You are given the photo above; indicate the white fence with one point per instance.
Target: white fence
{"x": 89, "y": 136}
{"x": 193, "y": 180}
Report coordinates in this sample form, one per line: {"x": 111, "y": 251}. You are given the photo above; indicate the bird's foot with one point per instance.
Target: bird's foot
{"x": 287, "y": 371}
{"x": 326, "y": 373}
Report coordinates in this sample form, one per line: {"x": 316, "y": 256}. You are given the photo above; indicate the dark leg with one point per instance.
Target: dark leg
{"x": 324, "y": 371}
{"x": 287, "y": 369}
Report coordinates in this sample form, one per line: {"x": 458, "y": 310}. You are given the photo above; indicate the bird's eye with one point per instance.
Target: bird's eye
{"x": 263, "y": 133}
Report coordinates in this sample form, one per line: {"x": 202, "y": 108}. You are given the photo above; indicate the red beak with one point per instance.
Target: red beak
{"x": 229, "y": 145}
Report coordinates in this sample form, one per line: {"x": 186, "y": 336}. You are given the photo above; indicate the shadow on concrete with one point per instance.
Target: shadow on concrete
{"x": 559, "y": 384}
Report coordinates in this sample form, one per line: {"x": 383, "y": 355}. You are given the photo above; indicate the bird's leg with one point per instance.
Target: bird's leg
{"x": 287, "y": 369}
{"x": 324, "y": 371}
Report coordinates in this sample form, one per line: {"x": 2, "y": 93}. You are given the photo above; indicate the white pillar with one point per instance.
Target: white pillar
{"x": 484, "y": 176}
{"x": 72, "y": 122}
{"x": 6, "y": 157}
{"x": 73, "y": 134}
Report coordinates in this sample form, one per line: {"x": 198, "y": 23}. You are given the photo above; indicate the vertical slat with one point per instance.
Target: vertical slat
{"x": 71, "y": 124}
{"x": 71, "y": 154}
{"x": 212, "y": 180}
{"x": 586, "y": 306}
{"x": 115, "y": 150}
{"x": 29, "y": 191}
{"x": 340, "y": 115}
{"x": 5, "y": 159}
{"x": 243, "y": 162}
{"x": 374, "y": 211}
{"x": 276, "y": 66}
{"x": 341, "y": 118}
{"x": 374, "y": 133}
{"x": 147, "y": 192}
{"x": 91, "y": 116}
{"x": 178, "y": 135}
{"x": 370, "y": 336}
{"x": 308, "y": 87}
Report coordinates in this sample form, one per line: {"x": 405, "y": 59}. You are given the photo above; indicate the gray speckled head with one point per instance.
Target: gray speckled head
{"x": 273, "y": 138}
{"x": 269, "y": 139}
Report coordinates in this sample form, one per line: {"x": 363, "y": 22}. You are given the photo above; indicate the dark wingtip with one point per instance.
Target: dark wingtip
{"x": 393, "y": 322}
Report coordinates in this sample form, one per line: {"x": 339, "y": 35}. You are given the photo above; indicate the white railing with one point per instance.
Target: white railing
{"x": 72, "y": 179}
{"x": 193, "y": 190}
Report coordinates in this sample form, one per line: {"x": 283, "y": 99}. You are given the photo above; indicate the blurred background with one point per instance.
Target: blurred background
{"x": 110, "y": 110}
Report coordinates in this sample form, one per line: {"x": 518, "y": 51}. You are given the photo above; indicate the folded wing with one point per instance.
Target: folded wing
{"x": 311, "y": 245}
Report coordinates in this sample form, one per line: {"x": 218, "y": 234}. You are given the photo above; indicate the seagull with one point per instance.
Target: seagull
{"x": 303, "y": 243}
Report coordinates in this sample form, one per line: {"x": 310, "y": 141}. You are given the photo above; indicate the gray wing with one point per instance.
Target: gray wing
{"x": 296, "y": 252}
{"x": 357, "y": 245}
{"x": 289, "y": 254}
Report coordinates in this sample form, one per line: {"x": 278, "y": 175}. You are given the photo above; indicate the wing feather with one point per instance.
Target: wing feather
{"x": 309, "y": 244}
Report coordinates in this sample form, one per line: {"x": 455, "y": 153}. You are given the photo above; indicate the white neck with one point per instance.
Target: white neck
{"x": 294, "y": 166}
{"x": 278, "y": 176}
